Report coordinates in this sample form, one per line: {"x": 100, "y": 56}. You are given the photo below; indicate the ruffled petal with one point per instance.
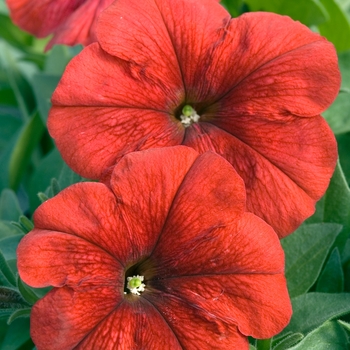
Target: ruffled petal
{"x": 89, "y": 211}
{"x": 133, "y": 325}
{"x": 47, "y": 258}
{"x": 241, "y": 244}
{"x": 145, "y": 184}
{"x": 101, "y": 111}
{"x": 70, "y": 22}
{"x": 197, "y": 328}
{"x": 41, "y": 17}
{"x": 267, "y": 63}
{"x": 91, "y": 139}
{"x": 65, "y": 315}
{"x": 80, "y": 26}
{"x": 271, "y": 193}
{"x": 258, "y": 304}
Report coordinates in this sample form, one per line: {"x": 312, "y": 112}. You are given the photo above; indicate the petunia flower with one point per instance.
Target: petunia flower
{"x": 169, "y": 72}
{"x": 71, "y": 22}
{"x": 165, "y": 257}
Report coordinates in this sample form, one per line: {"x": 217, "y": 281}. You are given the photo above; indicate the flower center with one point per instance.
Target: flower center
{"x": 135, "y": 284}
{"x": 188, "y": 116}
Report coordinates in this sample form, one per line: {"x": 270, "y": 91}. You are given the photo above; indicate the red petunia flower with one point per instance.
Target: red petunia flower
{"x": 183, "y": 72}
{"x": 71, "y": 22}
{"x": 166, "y": 258}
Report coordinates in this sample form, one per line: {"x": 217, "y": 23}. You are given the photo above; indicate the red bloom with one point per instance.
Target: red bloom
{"x": 183, "y": 72}
{"x": 212, "y": 272}
{"x": 71, "y": 22}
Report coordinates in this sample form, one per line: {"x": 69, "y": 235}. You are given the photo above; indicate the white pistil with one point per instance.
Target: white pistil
{"x": 188, "y": 116}
{"x": 135, "y": 284}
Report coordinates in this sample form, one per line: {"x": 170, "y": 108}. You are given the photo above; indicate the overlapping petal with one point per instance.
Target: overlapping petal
{"x": 213, "y": 273}
{"x": 49, "y": 258}
{"x": 71, "y": 22}
{"x": 285, "y": 171}
{"x": 133, "y": 325}
{"x": 63, "y": 318}
{"x": 260, "y": 74}
{"x": 128, "y": 217}
{"x": 197, "y": 328}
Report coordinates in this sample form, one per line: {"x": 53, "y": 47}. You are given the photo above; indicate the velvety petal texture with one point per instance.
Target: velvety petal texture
{"x": 71, "y": 22}
{"x": 257, "y": 83}
{"x": 213, "y": 273}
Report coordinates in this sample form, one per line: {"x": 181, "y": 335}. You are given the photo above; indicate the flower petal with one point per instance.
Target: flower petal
{"x": 258, "y": 304}
{"x": 89, "y": 211}
{"x": 96, "y": 137}
{"x": 71, "y": 22}
{"x": 305, "y": 149}
{"x": 133, "y": 325}
{"x": 80, "y": 26}
{"x": 95, "y": 118}
{"x": 241, "y": 244}
{"x": 96, "y": 79}
{"x": 145, "y": 184}
{"x": 173, "y": 36}
{"x": 271, "y": 193}
{"x": 65, "y": 315}
{"x": 266, "y": 62}
{"x": 47, "y": 258}
{"x": 37, "y": 17}
{"x": 197, "y": 328}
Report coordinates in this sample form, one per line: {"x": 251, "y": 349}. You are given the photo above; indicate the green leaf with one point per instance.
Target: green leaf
{"x": 337, "y": 199}
{"x": 233, "y": 6}
{"x": 334, "y": 207}
{"x": 27, "y": 293}
{"x": 338, "y": 114}
{"x": 8, "y": 276}
{"x": 17, "y": 336}
{"x": 288, "y": 341}
{"x": 8, "y": 127}
{"x": 343, "y": 149}
{"x": 306, "y": 250}
{"x": 309, "y": 12}
{"x": 9, "y": 61}
{"x": 58, "y": 58}
{"x": 332, "y": 278}
{"x": 19, "y": 314}
{"x": 8, "y": 246}
{"x": 345, "y": 325}
{"x": 344, "y": 65}
{"x": 7, "y": 230}
{"x": 9, "y": 206}
{"x": 28, "y": 139}
{"x": 26, "y": 224}
{"x": 12, "y": 34}
{"x": 337, "y": 28}
{"x": 44, "y": 86}
{"x": 330, "y": 336}
{"x": 5, "y": 157}
{"x": 49, "y": 167}
{"x": 68, "y": 177}
{"x": 313, "y": 309}
{"x": 11, "y": 300}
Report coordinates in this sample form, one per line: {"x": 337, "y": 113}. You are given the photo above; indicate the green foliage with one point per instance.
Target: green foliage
{"x": 311, "y": 310}
{"x": 306, "y": 250}
{"x": 317, "y": 254}
{"x": 332, "y": 278}
{"x": 329, "y": 336}
{"x": 309, "y": 12}
{"x": 337, "y": 28}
